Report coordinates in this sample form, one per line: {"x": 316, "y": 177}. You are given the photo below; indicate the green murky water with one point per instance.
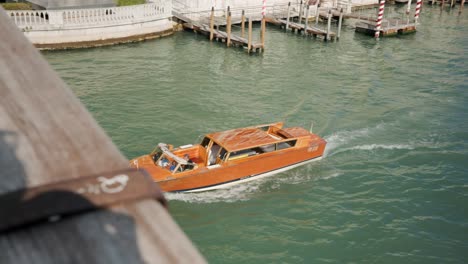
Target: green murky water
{"x": 393, "y": 187}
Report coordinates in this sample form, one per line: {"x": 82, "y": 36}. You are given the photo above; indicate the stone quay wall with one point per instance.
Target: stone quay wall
{"x": 76, "y": 28}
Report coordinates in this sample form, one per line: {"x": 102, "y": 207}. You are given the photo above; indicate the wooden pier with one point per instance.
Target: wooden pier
{"x": 309, "y": 30}
{"x": 222, "y": 36}
{"x": 390, "y": 27}
{"x": 378, "y": 26}
{"x": 304, "y": 27}
{"x": 208, "y": 29}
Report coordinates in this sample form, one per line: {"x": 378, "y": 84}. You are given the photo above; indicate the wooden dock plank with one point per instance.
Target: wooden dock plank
{"x": 390, "y": 27}
{"x": 310, "y": 29}
{"x": 221, "y": 35}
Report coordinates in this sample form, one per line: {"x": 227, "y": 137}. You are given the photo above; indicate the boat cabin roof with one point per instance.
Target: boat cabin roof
{"x": 243, "y": 138}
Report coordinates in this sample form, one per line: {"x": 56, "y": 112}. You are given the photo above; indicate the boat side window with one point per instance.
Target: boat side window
{"x": 213, "y": 154}
{"x": 155, "y": 155}
{"x": 285, "y": 145}
{"x": 222, "y": 154}
{"x": 242, "y": 154}
{"x": 205, "y": 142}
{"x": 267, "y": 148}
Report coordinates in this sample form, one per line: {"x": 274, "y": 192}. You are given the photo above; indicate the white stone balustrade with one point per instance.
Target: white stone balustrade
{"x": 72, "y": 28}
{"x": 72, "y": 18}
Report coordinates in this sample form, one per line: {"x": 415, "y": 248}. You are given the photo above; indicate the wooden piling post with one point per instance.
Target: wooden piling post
{"x": 452, "y": 3}
{"x": 249, "y": 45}
{"x": 262, "y": 33}
{"x": 328, "y": 25}
{"x": 228, "y": 28}
{"x": 409, "y": 7}
{"x": 340, "y": 22}
{"x": 306, "y": 23}
{"x": 300, "y": 12}
{"x": 378, "y": 22}
{"x": 462, "y": 4}
{"x": 288, "y": 17}
{"x": 243, "y": 24}
{"x": 212, "y": 24}
{"x": 317, "y": 14}
{"x": 417, "y": 11}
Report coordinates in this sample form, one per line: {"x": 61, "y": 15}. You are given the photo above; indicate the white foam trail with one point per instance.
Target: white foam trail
{"x": 342, "y": 137}
{"x": 235, "y": 193}
{"x": 374, "y": 147}
{"x": 380, "y": 146}
{"x": 333, "y": 175}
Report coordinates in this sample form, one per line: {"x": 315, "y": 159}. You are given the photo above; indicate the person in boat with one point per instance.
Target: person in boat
{"x": 156, "y": 156}
{"x": 163, "y": 162}
{"x": 190, "y": 164}
{"x": 173, "y": 165}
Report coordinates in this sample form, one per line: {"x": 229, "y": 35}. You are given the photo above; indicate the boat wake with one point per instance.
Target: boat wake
{"x": 232, "y": 194}
{"x": 339, "y": 142}
{"x": 375, "y": 147}
{"x": 341, "y": 138}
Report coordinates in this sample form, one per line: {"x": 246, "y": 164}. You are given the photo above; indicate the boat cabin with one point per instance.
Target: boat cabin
{"x": 227, "y": 146}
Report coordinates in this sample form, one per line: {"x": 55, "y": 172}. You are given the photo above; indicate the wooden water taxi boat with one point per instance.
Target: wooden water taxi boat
{"x": 230, "y": 157}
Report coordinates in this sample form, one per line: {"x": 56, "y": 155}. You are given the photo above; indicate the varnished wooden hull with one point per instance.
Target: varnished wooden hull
{"x": 214, "y": 178}
{"x": 251, "y": 177}
{"x": 241, "y": 155}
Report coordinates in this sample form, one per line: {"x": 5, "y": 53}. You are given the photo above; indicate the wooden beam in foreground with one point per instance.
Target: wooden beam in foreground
{"x": 46, "y": 136}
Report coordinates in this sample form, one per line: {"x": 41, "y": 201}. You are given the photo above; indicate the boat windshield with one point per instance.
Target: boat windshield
{"x": 170, "y": 161}
{"x": 156, "y": 154}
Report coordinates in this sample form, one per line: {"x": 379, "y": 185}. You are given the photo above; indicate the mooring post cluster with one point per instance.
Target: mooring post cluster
{"x": 228, "y": 37}
{"x": 300, "y": 23}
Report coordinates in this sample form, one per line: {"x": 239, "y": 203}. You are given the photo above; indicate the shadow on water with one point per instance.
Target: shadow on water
{"x": 98, "y": 237}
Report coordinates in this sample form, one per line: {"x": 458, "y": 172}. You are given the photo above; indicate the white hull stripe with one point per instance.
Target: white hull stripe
{"x": 248, "y": 178}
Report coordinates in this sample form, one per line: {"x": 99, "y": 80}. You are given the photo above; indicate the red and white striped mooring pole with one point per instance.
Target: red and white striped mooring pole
{"x": 418, "y": 9}
{"x": 378, "y": 24}
{"x": 264, "y": 8}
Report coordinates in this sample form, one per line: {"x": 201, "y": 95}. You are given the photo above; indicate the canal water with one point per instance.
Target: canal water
{"x": 393, "y": 186}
